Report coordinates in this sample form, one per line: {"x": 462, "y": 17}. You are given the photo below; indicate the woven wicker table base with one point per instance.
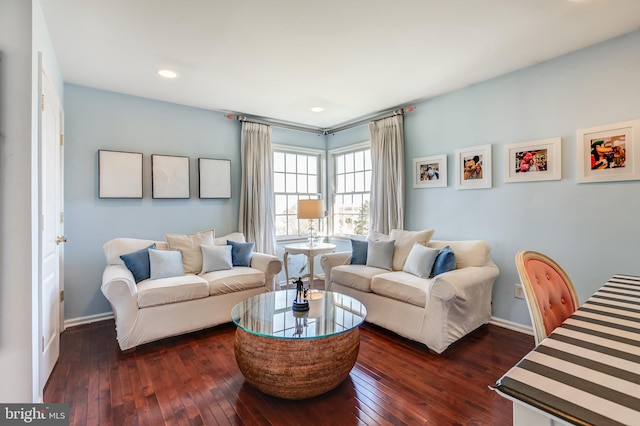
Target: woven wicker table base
{"x": 296, "y": 368}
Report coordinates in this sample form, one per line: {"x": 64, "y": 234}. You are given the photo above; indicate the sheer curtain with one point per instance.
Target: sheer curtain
{"x": 387, "y": 175}
{"x": 256, "y": 220}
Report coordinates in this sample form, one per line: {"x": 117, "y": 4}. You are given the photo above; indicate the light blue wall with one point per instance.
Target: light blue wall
{"x": 348, "y": 137}
{"x": 310, "y": 140}
{"x": 97, "y": 119}
{"x": 592, "y": 230}
{"x": 589, "y": 228}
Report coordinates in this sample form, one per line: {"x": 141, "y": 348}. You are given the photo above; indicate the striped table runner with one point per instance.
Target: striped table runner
{"x": 588, "y": 370}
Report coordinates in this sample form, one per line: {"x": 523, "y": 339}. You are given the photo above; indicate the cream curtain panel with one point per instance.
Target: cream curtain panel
{"x": 256, "y": 219}
{"x": 387, "y": 175}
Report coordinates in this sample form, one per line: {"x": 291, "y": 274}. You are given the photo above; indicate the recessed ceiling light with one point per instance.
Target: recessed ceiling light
{"x": 167, "y": 73}
{"x": 317, "y": 109}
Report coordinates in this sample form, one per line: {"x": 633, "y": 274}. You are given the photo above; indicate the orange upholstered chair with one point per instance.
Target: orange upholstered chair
{"x": 550, "y": 296}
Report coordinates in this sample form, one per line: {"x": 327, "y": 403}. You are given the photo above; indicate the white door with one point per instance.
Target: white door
{"x": 51, "y": 161}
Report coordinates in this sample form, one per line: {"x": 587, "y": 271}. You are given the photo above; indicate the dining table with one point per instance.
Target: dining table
{"x": 587, "y": 371}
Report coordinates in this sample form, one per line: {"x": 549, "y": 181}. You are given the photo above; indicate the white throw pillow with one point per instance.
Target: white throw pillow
{"x": 216, "y": 258}
{"x": 420, "y": 260}
{"x": 189, "y": 245}
{"x": 405, "y": 241}
{"x": 165, "y": 263}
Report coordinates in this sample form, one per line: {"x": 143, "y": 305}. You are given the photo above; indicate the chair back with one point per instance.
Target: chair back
{"x": 549, "y": 293}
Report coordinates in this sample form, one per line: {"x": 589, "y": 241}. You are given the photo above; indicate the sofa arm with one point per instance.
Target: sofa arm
{"x": 458, "y": 302}
{"x": 329, "y": 260}
{"x": 119, "y": 287}
{"x": 270, "y": 265}
{"x": 461, "y": 282}
{"x": 118, "y": 280}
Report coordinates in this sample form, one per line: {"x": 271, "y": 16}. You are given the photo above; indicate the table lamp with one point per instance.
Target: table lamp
{"x": 310, "y": 209}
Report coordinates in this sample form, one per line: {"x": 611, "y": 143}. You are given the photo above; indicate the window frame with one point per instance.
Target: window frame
{"x": 322, "y": 182}
{"x": 360, "y": 146}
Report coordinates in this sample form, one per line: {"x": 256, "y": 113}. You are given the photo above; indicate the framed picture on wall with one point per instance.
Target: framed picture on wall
{"x": 430, "y": 172}
{"x": 609, "y": 153}
{"x": 215, "y": 178}
{"x": 533, "y": 160}
{"x": 169, "y": 176}
{"x": 119, "y": 174}
{"x": 473, "y": 167}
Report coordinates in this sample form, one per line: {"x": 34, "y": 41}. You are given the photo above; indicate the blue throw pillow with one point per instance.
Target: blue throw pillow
{"x": 241, "y": 253}
{"x": 445, "y": 261}
{"x": 359, "y": 252}
{"x": 138, "y": 263}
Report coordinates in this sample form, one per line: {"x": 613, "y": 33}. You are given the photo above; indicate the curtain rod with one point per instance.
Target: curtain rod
{"x": 283, "y": 125}
{"x": 376, "y": 117}
{"x": 379, "y": 116}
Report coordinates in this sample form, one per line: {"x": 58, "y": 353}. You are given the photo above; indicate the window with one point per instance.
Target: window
{"x": 351, "y": 191}
{"x": 296, "y": 175}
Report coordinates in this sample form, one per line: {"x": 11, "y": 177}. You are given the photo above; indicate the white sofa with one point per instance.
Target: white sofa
{"x": 434, "y": 311}
{"x": 153, "y": 309}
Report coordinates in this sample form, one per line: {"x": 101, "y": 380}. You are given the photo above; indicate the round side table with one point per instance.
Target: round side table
{"x": 310, "y": 251}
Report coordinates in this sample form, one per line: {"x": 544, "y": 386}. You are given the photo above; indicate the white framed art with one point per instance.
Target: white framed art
{"x": 119, "y": 174}
{"x": 169, "y": 176}
{"x": 430, "y": 172}
{"x": 215, "y": 178}
{"x": 533, "y": 160}
{"x": 473, "y": 167}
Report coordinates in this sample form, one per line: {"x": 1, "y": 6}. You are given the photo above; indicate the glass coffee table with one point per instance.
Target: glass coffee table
{"x": 297, "y": 355}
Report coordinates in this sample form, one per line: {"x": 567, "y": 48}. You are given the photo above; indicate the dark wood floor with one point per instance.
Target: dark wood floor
{"x": 194, "y": 380}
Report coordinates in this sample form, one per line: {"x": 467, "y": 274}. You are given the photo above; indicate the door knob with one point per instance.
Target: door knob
{"x": 60, "y": 240}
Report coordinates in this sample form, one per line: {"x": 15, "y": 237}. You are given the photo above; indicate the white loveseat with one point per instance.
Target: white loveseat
{"x": 434, "y": 311}
{"x": 153, "y": 309}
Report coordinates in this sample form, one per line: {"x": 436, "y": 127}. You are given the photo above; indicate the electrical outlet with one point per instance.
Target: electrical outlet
{"x": 519, "y": 292}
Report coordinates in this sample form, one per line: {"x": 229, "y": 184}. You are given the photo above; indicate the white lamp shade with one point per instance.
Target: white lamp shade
{"x": 310, "y": 209}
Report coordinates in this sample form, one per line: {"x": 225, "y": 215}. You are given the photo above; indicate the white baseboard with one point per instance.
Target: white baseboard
{"x": 88, "y": 319}
{"x": 499, "y": 322}
{"x": 526, "y": 329}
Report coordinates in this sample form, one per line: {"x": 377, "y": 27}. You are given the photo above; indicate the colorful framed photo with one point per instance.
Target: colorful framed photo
{"x": 169, "y": 176}
{"x": 533, "y": 160}
{"x": 473, "y": 167}
{"x": 609, "y": 153}
{"x": 430, "y": 172}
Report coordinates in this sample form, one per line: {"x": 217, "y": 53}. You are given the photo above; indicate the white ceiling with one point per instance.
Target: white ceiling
{"x": 278, "y": 58}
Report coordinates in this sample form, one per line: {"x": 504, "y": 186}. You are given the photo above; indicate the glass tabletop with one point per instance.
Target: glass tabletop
{"x": 270, "y": 314}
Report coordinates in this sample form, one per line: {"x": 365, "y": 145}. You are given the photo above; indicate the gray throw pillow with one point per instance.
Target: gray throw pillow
{"x": 216, "y": 258}
{"x": 380, "y": 254}
{"x": 420, "y": 260}
{"x": 165, "y": 264}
